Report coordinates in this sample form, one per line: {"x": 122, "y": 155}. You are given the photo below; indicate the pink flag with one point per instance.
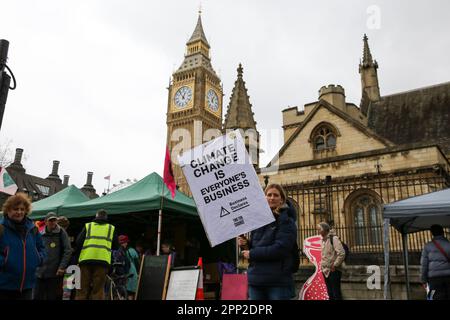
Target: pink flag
{"x": 168, "y": 177}
{"x": 108, "y": 177}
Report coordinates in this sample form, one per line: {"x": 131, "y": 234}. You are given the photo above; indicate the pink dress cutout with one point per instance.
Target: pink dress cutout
{"x": 315, "y": 287}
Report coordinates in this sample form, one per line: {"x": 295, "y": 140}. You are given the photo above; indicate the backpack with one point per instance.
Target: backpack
{"x": 344, "y": 245}
{"x": 120, "y": 263}
{"x": 295, "y": 258}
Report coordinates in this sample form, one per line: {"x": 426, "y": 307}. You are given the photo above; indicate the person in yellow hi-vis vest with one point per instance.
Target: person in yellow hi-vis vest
{"x": 95, "y": 244}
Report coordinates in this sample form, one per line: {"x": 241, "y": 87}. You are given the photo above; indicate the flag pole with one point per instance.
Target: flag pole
{"x": 167, "y": 174}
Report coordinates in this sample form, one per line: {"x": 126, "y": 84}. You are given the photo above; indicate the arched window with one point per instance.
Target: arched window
{"x": 366, "y": 213}
{"x": 320, "y": 143}
{"x": 324, "y": 137}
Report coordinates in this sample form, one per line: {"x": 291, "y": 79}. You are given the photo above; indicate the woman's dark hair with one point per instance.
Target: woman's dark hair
{"x": 437, "y": 230}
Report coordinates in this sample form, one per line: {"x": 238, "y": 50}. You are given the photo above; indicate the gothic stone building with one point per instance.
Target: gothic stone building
{"x": 340, "y": 162}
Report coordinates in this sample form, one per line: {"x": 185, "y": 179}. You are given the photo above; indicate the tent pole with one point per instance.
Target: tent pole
{"x": 159, "y": 232}
{"x": 406, "y": 265}
{"x": 386, "y": 258}
{"x": 158, "y": 244}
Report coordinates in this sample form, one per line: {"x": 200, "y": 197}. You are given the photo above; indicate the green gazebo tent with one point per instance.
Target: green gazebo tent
{"x": 140, "y": 202}
{"x": 144, "y": 195}
{"x": 67, "y": 196}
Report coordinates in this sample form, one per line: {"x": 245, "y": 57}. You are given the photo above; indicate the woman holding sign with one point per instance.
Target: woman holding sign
{"x": 270, "y": 251}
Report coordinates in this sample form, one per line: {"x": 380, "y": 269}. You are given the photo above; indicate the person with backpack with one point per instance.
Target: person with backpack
{"x": 21, "y": 249}
{"x": 435, "y": 265}
{"x": 50, "y": 275}
{"x": 120, "y": 268}
{"x": 333, "y": 256}
{"x": 133, "y": 256}
{"x": 270, "y": 251}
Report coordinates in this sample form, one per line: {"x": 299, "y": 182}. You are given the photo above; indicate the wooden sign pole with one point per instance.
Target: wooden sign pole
{"x": 166, "y": 279}
{"x": 139, "y": 278}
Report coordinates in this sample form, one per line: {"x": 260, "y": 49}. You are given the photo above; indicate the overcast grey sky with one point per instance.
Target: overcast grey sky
{"x": 92, "y": 74}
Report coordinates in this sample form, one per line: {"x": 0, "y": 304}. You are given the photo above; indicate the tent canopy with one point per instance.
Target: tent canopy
{"x": 67, "y": 196}
{"x": 144, "y": 195}
{"x": 420, "y": 213}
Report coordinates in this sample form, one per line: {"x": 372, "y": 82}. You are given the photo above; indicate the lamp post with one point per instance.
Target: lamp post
{"x": 5, "y": 79}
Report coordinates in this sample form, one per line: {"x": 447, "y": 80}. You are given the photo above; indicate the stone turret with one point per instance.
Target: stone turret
{"x": 240, "y": 116}
{"x": 333, "y": 94}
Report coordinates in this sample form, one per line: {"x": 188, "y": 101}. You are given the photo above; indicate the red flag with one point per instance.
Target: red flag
{"x": 169, "y": 179}
{"x": 108, "y": 177}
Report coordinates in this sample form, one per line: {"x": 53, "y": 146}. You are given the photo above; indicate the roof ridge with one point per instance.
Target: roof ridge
{"x": 417, "y": 89}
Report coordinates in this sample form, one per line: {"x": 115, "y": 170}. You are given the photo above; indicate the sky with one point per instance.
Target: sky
{"x": 92, "y": 75}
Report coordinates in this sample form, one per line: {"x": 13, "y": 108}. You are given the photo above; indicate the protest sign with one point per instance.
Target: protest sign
{"x": 226, "y": 189}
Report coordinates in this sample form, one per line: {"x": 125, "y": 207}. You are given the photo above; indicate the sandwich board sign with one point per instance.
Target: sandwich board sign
{"x": 183, "y": 283}
{"x": 225, "y": 187}
{"x": 153, "y": 277}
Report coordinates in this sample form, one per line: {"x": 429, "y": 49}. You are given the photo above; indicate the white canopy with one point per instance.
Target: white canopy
{"x": 420, "y": 213}
{"x": 413, "y": 215}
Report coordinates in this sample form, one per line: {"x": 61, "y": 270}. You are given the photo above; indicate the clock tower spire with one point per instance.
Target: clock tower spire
{"x": 194, "y": 111}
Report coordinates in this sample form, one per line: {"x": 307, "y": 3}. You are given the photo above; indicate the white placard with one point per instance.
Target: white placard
{"x": 183, "y": 284}
{"x": 226, "y": 189}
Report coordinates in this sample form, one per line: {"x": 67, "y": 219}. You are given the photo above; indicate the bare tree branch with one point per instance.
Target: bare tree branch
{"x": 6, "y": 153}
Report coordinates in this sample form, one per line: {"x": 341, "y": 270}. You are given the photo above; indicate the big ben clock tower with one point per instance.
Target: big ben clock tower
{"x": 195, "y": 101}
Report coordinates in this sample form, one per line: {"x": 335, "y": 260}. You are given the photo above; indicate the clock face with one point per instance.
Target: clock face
{"x": 213, "y": 100}
{"x": 183, "y": 96}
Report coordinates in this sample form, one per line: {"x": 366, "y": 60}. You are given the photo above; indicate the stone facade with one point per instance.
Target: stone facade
{"x": 340, "y": 163}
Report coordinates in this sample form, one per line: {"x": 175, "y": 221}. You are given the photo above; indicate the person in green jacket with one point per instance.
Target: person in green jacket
{"x": 133, "y": 257}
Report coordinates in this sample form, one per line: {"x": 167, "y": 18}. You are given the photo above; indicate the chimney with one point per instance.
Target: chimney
{"x": 66, "y": 180}
{"x": 18, "y": 156}
{"x": 54, "y": 175}
{"x": 55, "y": 168}
{"x": 88, "y": 188}
{"x": 17, "y": 164}
{"x": 89, "y": 179}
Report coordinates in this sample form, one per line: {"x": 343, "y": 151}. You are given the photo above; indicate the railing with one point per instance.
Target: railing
{"x": 366, "y": 243}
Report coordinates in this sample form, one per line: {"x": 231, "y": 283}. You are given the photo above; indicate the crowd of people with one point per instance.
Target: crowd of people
{"x": 33, "y": 262}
